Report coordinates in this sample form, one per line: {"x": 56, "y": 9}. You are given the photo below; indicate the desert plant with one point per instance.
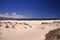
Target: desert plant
{"x": 53, "y": 34}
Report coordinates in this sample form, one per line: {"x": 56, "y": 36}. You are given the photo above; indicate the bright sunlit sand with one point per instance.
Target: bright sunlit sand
{"x": 26, "y": 29}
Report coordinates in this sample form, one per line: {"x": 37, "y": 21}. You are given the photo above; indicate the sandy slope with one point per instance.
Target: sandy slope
{"x": 26, "y": 30}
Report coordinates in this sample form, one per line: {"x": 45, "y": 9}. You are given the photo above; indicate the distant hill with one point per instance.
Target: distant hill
{"x": 4, "y": 18}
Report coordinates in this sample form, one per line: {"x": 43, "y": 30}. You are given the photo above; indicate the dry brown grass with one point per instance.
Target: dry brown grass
{"x": 53, "y": 35}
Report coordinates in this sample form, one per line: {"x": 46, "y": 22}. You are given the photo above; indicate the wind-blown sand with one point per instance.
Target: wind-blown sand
{"x": 26, "y": 29}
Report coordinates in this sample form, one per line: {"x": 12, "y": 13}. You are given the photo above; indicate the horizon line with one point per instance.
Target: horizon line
{"x": 30, "y": 19}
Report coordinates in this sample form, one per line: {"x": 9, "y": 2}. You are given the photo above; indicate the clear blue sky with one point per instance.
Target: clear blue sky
{"x": 31, "y": 8}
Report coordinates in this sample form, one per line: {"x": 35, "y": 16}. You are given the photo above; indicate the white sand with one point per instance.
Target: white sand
{"x": 36, "y": 32}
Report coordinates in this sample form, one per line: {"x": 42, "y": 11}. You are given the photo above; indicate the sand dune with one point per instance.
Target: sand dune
{"x": 26, "y": 30}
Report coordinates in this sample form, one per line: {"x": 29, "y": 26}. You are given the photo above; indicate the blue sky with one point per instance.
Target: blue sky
{"x": 31, "y": 8}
